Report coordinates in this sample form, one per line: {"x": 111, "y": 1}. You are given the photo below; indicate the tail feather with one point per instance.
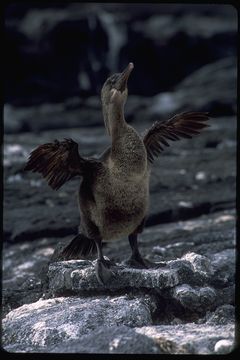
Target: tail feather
{"x": 80, "y": 246}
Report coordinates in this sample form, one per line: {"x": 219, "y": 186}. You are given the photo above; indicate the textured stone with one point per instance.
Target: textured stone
{"x": 189, "y": 338}
{"x": 25, "y": 264}
{"x": 224, "y": 346}
{"x": 200, "y": 263}
{"x": 222, "y": 315}
{"x": 114, "y": 340}
{"x": 195, "y": 298}
{"x": 185, "y": 339}
{"x": 47, "y": 322}
{"x": 79, "y": 275}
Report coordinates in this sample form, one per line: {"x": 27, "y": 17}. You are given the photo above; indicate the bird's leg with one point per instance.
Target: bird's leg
{"x": 136, "y": 260}
{"x": 102, "y": 267}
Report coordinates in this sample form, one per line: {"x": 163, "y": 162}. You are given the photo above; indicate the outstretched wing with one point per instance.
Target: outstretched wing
{"x": 58, "y": 162}
{"x": 184, "y": 125}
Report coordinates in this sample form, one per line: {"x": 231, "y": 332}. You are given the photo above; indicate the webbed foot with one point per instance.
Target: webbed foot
{"x": 103, "y": 271}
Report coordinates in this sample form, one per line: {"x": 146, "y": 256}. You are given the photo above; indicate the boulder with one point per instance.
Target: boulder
{"x": 73, "y": 325}
{"x": 48, "y": 322}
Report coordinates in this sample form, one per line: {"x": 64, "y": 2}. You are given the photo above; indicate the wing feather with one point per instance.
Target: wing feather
{"x": 184, "y": 125}
{"x": 58, "y": 162}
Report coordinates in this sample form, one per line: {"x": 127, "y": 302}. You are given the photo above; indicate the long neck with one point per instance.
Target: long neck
{"x": 115, "y": 120}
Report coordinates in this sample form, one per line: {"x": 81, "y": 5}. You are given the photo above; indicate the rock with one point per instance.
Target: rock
{"x": 113, "y": 340}
{"x": 195, "y": 299}
{"x": 24, "y": 270}
{"x": 76, "y": 334}
{"x": 79, "y": 275}
{"x": 200, "y": 263}
{"x": 49, "y": 322}
{"x": 219, "y": 78}
{"x": 223, "y": 264}
{"x": 27, "y": 261}
{"x": 222, "y": 315}
{"x": 188, "y": 338}
{"x": 224, "y": 346}
{"x": 176, "y": 280}
{"x": 172, "y": 309}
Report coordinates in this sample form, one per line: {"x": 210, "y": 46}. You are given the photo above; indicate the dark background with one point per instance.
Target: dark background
{"x": 62, "y": 53}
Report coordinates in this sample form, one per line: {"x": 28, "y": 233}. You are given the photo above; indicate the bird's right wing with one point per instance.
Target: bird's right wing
{"x": 184, "y": 125}
{"x": 59, "y": 162}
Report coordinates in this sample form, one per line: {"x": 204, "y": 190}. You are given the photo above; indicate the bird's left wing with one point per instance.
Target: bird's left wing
{"x": 184, "y": 125}
{"x": 59, "y": 162}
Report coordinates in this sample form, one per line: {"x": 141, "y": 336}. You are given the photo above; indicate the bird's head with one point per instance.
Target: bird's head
{"x": 116, "y": 84}
{"x": 114, "y": 91}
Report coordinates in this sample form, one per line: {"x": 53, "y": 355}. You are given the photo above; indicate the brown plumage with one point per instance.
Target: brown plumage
{"x": 184, "y": 125}
{"x": 114, "y": 191}
{"x": 58, "y": 162}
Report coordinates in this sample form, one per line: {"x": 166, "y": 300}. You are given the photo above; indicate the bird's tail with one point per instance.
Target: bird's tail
{"x": 79, "y": 246}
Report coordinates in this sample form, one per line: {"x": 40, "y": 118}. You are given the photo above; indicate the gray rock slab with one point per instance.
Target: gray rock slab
{"x": 222, "y": 315}
{"x": 48, "y": 322}
{"x": 180, "y": 282}
{"x": 24, "y": 267}
{"x": 183, "y": 339}
{"x": 79, "y": 275}
{"x": 179, "y": 274}
{"x": 190, "y": 338}
{"x": 25, "y": 264}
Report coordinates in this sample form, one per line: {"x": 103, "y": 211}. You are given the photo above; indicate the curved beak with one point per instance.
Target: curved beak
{"x": 121, "y": 83}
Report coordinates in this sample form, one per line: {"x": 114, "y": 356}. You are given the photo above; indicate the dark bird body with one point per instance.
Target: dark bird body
{"x": 114, "y": 192}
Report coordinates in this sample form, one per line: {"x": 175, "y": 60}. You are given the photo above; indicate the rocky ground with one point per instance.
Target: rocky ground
{"x": 190, "y": 232}
{"x": 186, "y": 304}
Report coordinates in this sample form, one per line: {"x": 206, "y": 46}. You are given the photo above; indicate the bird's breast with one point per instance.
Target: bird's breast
{"x": 120, "y": 205}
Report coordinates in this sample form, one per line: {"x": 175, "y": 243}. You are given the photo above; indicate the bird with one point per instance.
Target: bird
{"x": 113, "y": 194}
